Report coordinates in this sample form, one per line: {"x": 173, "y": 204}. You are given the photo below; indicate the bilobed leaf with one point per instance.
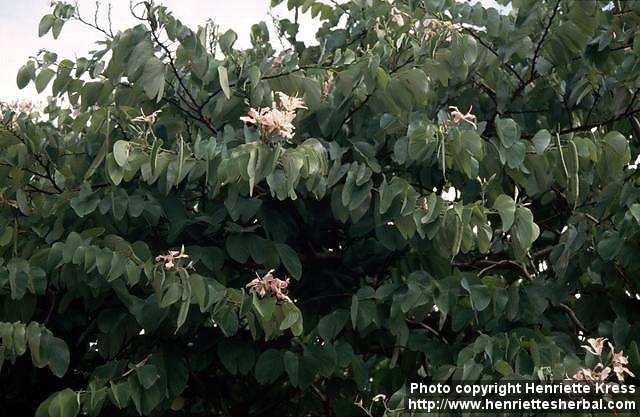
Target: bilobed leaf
{"x": 147, "y": 375}
{"x": 508, "y": 131}
{"x": 227, "y": 319}
{"x": 290, "y": 260}
{"x": 479, "y": 292}
{"x": 153, "y": 78}
{"x": 610, "y": 246}
{"x": 619, "y": 144}
{"x": 6, "y": 236}
{"x": 140, "y": 54}
{"x": 292, "y": 366}
{"x": 34, "y": 335}
{"x": 43, "y": 79}
{"x": 57, "y": 27}
{"x": 115, "y": 171}
{"x": 121, "y": 151}
{"x": 43, "y": 408}
{"x": 121, "y": 393}
{"x": 228, "y": 39}
{"x": 526, "y": 231}
{"x": 269, "y": 366}
{"x": 237, "y": 248}
{"x": 503, "y": 368}
{"x": 541, "y": 140}
{"x": 45, "y": 24}
{"x": 65, "y": 404}
{"x": 25, "y": 74}
{"x": 236, "y": 357}
{"x": 19, "y": 339}
{"x": 90, "y": 93}
{"x": 506, "y": 207}
{"x": 57, "y": 354}
{"x": 265, "y": 307}
{"x": 291, "y": 315}
{"x": 330, "y": 325}
{"x": 63, "y": 77}
{"x": 85, "y": 202}
{"x": 183, "y": 312}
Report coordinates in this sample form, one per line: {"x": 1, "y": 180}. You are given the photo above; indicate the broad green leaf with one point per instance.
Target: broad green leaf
{"x": 541, "y": 141}
{"x": 290, "y": 260}
{"x": 90, "y": 93}
{"x": 506, "y": 208}
{"x": 153, "y": 78}
{"x": 479, "y": 292}
{"x": 121, "y": 393}
{"x": 57, "y": 354}
{"x": 503, "y": 368}
{"x": 43, "y": 79}
{"x": 147, "y": 375}
{"x": 45, "y": 24}
{"x": 330, "y": 325}
{"x": 269, "y": 366}
{"x": 526, "y": 231}
{"x": 65, "y": 404}
{"x": 25, "y": 74}
{"x": 508, "y": 131}
{"x": 85, "y": 202}
{"x": 121, "y": 151}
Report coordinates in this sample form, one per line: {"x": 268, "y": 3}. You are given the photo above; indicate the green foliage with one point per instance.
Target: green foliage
{"x": 139, "y": 220}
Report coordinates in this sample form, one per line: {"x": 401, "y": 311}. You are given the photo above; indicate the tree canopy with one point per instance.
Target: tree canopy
{"x": 433, "y": 190}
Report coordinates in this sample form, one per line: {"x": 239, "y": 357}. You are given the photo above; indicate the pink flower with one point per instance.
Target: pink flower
{"x": 19, "y": 107}
{"x": 254, "y": 116}
{"x": 277, "y": 119}
{"x": 459, "y": 117}
{"x": 277, "y": 61}
{"x": 290, "y": 103}
{"x": 619, "y": 365}
{"x": 396, "y": 16}
{"x": 148, "y": 118}
{"x": 600, "y": 373}
{"x": 595, "y": 345}
{"x": 7, "y": 202}
{"x": 169, "y": 258}
{"x": 269, "y": 285}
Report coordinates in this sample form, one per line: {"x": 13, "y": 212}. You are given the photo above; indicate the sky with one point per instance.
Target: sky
{"x": 19, "y": 30}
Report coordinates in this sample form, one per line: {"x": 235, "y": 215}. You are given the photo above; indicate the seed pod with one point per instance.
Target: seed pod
{"x": 564, "y": 165}
{"x": 575, "y": 189}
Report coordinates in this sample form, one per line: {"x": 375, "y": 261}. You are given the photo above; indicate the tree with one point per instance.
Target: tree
{"x": 436, "y": 190}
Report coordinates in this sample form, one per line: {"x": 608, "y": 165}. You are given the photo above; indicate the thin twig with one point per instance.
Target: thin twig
{"x": 573, "y": 317}
{"x": 536, "y": 53}
{"x": 430, "y": 329}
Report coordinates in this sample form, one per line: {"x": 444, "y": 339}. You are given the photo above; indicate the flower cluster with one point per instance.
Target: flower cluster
{"x": 327, "y": 85}
{"x": 601, "y": 372}
{"x": 146, "y": 118}
{"x": 8, "y": 202}
{"x": 270, "y": 285}
{"x": 18, "y": 107}
{"x": 277, "y": 119}
{"x": 397, "y": 16}
{"x": 458, "y": 117}
{"x": 170, "y": 258}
